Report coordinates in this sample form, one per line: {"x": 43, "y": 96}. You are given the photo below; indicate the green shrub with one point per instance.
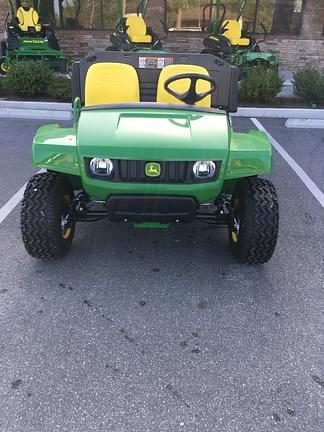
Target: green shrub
{"x": 260, "y": 85}
{"x": 60, "y": 88}
{"x": 3, "y": 90}
{"x": 28, "y": 78}
{"x": 309, "y": 85}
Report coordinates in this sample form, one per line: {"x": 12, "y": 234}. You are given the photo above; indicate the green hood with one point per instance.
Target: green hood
{"x": 153, "y": 134}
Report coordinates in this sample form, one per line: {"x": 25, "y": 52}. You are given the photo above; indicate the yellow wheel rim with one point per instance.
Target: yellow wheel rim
{"x": 234, "y": 236}
{"x": 66, "y": 231}
{"x": 3, "y": 67}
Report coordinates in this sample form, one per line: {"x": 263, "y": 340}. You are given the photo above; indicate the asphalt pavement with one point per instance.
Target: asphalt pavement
{"x": 146, "y": 331}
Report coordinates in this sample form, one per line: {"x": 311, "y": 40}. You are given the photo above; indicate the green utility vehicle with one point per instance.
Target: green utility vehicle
{"x": 227, "y": 41}
{"x": 28, "y": 38}
{"x": 151, "y": 144}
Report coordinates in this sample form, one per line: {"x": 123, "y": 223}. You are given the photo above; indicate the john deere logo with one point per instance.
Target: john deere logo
{"x": 32, "y": 41}
{"x": 152, "y": 169}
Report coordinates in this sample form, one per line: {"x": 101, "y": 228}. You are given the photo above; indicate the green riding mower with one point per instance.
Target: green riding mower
{"x": 151, "y": 144}
{"x": 226, "y": 39}
{"x": 132, "y": 33}
{"x": 27, "y": 37}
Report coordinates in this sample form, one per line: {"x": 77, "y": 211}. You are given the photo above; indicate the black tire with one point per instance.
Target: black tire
{"x": 46, "y": 203}
{"x": 254, "y": 226}
{"x": 260, "y": 63}
{"x": 62, "y": 68}
{"x": 3, "y": 48}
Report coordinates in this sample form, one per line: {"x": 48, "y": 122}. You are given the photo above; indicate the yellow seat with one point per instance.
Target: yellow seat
{"x": 108, "y": 83}
{"x": 182, "y": 85}
{"x": 28, "y": 18}
{"x": 136, "y": 29}
{"x": 233, "y": 32}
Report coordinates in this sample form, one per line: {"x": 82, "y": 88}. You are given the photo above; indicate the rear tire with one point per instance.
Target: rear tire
{"x": 63, "y": 66}
{"x": 47, "y": 231}
{"x": 254, "y": 227}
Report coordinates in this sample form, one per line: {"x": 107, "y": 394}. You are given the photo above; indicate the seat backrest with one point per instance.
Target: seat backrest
{"x": 233, "y": 30}
{"x": 28, "y": 18}
{"x": 182, "y": 85}
{"x": 135, "y": 25}
{"x": 108, "y": 83}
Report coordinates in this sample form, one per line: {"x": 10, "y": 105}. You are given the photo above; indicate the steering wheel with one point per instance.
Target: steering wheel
{"x": 191, "y": 96}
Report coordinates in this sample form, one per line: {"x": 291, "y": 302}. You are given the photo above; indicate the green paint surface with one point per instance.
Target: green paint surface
{"x": 152, "y": 134}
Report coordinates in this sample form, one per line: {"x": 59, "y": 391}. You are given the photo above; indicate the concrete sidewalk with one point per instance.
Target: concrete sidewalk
{"x": 63, "y": 111}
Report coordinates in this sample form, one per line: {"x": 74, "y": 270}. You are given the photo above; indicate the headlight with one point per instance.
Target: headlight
{"x": 204, "y": 169}
{"x": 101, "y": 167}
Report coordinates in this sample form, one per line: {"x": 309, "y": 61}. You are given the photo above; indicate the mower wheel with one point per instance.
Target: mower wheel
{"x": 3, "y": 69}
{"x": 46, "y": 224}
{"x": 260, "y": 63}
{"x": 63, "y": 66}
{"x": 254, "y": 223}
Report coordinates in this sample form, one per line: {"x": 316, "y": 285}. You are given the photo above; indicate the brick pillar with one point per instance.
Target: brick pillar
{"x": 313, "y": 19}
{"x": 4, "y": 9}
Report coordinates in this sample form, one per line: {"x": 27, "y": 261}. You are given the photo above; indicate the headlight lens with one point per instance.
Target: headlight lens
{"x": 101, "y": 167}
{"x": 204, "y": 169}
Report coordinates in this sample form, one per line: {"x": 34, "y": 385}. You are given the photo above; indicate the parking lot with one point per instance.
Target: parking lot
{"x": 146, "y": 331}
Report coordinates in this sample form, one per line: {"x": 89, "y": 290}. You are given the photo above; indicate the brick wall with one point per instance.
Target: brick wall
{"x": 293, "y": 53}
{"x": 297, "y": 52}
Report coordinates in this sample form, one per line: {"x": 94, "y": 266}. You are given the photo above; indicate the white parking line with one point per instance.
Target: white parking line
{"x": 13, "y": 202}
{"x": 308, "y": 182}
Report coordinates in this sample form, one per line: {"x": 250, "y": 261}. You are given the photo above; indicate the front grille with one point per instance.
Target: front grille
{"x": 134, "y": 171}
{"x": 171, "y": 172}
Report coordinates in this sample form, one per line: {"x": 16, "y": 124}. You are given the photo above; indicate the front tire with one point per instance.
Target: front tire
{"x": 254, "y": 224}
{"x": 46, "y": 225}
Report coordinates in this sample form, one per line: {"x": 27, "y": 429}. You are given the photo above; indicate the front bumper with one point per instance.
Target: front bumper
{"x": 151, "y": 208}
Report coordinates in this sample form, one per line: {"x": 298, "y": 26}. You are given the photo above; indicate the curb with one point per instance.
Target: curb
{"x": 35, "y": 110}
{"x": 285, "y": 113}
{"x": 63, "y": 111}
{"x": 305, "y": 123}
{"x": 35, "y": 114}
{"x": 49, "y": 106}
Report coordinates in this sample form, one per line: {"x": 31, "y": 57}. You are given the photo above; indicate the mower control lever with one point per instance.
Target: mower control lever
{"x": 191, "y": 96}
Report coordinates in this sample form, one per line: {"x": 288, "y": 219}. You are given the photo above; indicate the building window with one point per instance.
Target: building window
{"x": 85, "y": 14}
{"x": 91, "y": 14}
{"x": 277, "y": 16}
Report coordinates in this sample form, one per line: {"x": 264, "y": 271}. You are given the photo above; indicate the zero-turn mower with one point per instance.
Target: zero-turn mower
{"x": 132, "y": 33}
{"x": 27, "y": 37}
{"x": 227, "y": 41}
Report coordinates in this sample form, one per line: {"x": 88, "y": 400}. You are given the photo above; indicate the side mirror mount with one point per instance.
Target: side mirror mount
{"x": 76, "y": 110}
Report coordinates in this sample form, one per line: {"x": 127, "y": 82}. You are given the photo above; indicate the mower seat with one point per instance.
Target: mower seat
{"x": 182, "y": 85}
{"x": 137, "y": 30}
{"x": 108, "y": 83}
{"x": 233, "y": 32}
{"x": 28, "y": 18}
